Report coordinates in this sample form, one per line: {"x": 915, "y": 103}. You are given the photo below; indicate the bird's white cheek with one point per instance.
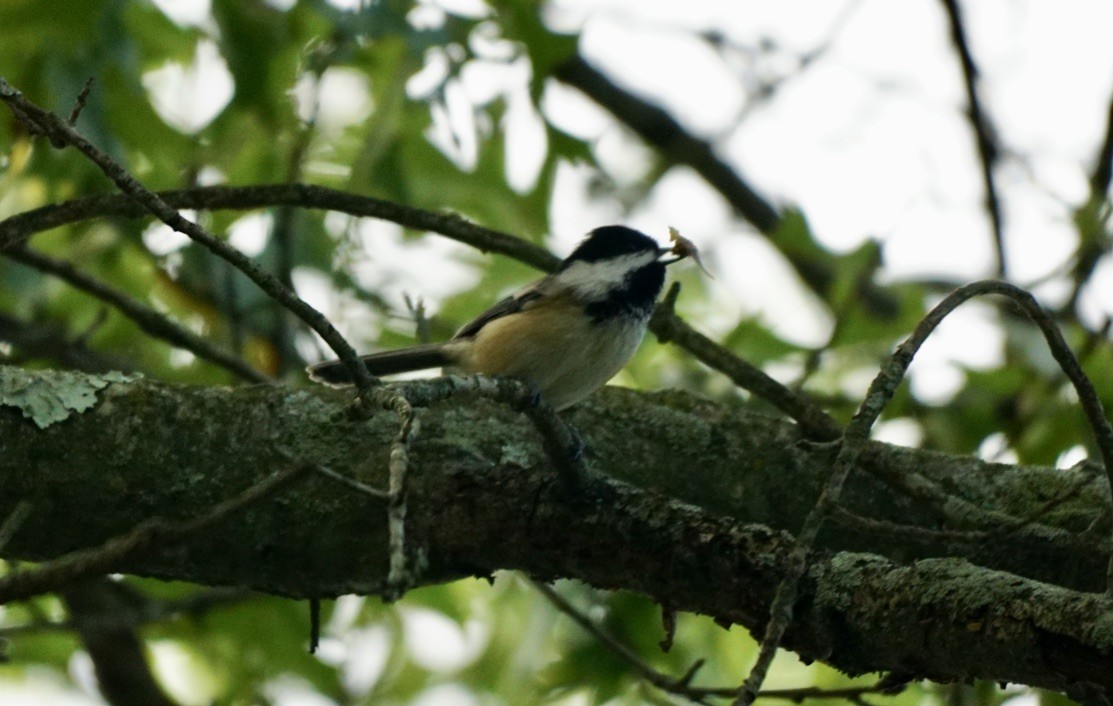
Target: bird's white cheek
{"x": 595, "y": 280}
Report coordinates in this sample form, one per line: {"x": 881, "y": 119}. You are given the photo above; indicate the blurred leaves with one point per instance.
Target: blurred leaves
{"x": 526, "y": 652}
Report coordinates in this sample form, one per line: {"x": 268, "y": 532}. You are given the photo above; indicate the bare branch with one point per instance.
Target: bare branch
{"x": 1102, "y": 173}
{"x": 124, "y": 676}
{"x": 668, "y": 327}
{"x": 148, "y": 319}
{"x": 661, "y": 130}
{"x": 51, "y": 342}
{"x": 987, "y": 144}
{"x": 682, "y": 685}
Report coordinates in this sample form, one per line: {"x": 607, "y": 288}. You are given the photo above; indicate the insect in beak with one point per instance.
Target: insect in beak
{"x": 682, "y": 248}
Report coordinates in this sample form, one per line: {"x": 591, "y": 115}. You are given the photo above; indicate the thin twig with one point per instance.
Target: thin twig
{"x": 987, "y": 144}
{"x": 82, "y": 98}
{"x": 151, "y": 321}
{"x": 59, "y": 129}
{"x": 148, "y": 535}
{"x": 816, "y": 424}
{"x": 52, "y": 342}
{"x": 351, "y": 483}
{"x": 1001, "y": 530}
{"x": 1101, "y": 175}
{"x": 14, "y": 521}
{"x": 959, "y": 512}
{"x": 682, "y": 685}
{"x": 400, "y": 576}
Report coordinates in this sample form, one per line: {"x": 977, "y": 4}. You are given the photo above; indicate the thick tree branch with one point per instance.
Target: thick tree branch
{"x": 686, "y": 476}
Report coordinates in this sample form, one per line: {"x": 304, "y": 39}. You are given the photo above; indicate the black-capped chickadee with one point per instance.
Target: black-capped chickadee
{"x": 567, "y": 333}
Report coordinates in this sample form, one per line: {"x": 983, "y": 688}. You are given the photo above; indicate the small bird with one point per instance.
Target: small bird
{"x": 567, "y": 334}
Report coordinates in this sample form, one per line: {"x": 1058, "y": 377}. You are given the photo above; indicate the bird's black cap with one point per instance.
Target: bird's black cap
{"x": 611, "y": 241}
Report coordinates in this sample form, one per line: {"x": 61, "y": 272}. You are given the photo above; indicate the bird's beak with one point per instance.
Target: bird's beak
{"x": 661, "y": 252}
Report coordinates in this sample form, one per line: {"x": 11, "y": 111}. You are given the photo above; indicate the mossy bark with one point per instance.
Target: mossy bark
{"x": 690, "y": 502}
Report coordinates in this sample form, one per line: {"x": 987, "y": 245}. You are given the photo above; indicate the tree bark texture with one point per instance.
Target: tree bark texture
{"x": 689, "y": 501}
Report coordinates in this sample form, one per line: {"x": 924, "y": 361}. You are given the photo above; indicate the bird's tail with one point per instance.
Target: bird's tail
{"x": 404, "y": 360}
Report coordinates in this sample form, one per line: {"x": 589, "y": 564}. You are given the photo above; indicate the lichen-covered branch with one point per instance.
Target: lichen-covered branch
{"x": 692, "y": 507}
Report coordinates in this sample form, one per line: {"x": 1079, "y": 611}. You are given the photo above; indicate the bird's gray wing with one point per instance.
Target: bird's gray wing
{"x": 504, "y": 307}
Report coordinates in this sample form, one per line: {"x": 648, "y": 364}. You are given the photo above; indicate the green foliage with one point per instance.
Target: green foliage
{"x": 523, "y": 651}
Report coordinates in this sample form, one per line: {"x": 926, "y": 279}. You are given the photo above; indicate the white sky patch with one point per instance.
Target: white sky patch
{"x": 161, "y": 239}
{"x": 484, "y": 81}
{"x": 573, "y": 212}
{"x": 995, "y": 449}
{"x": 572, "y": 112}
{"x": 40, "y": 685}
{"x": 360, "y": 652}
{"x": 901, "y": 432}
{"x": 430, "y": 266}
{"x": 249, "y": 234}
{"x": 181, "y": 358}
{"x": 453, "y": 131}
{"x": 758, "y": 277}
{"x": 1072, "y": 456}
{"x": 624, "y": 158}
{"x": 186, "y": 13}
{"x": 287, "y": 690}
{"x": 368, "y": 652}
{"x": 1096, "y": 302}
{"x": 82, "y": 672}
{"x": 185, "y": 678}
{"x": 526, "y": 141}
{"x": 439, "y": 644}
{"x": 446, "y": 695}
{"x": 969, "y": 337}
{"x": 432, "y": 74}
{"x": 1038, "y": 241}
{"x": 210, "y": 176}
{"x": 188, "y": 97}
{"x": 341, "y": 98}
{"x": 671, "y": 67}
